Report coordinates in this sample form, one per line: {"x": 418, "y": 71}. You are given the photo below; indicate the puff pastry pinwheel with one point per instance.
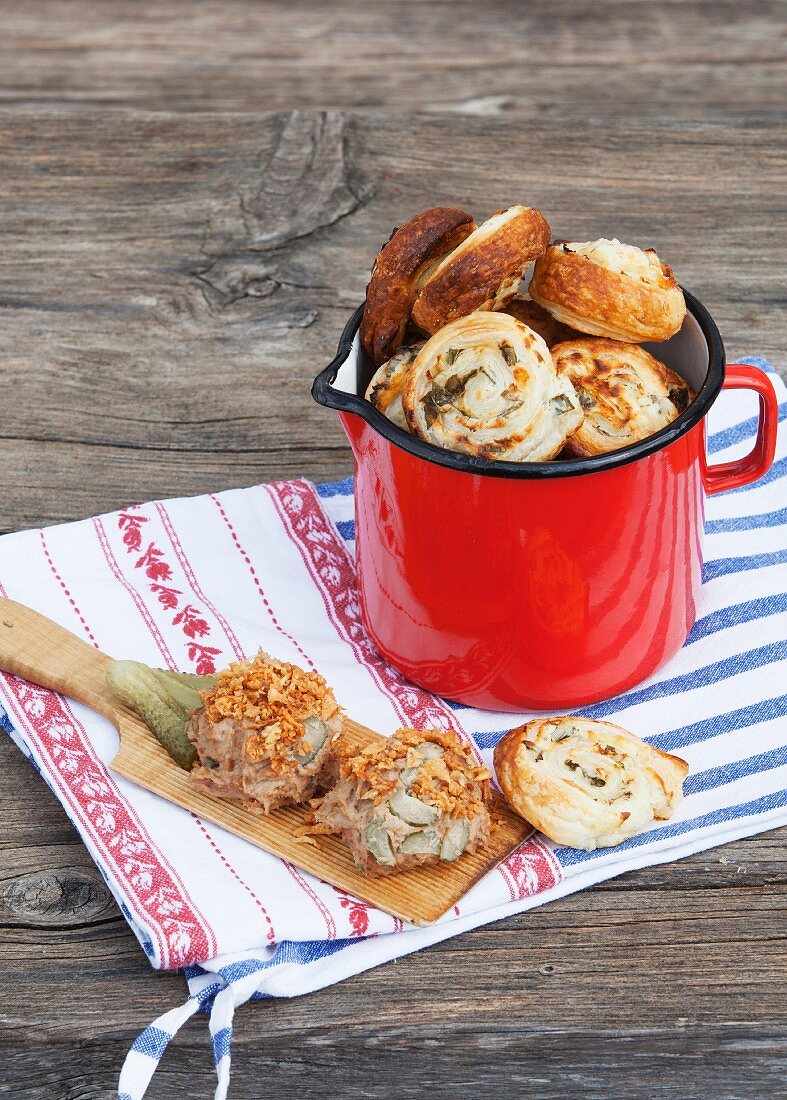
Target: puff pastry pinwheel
{"x": 486, "y": 385}
{"x": 610, "y": 289}
{"x": 399, "y": 271}
{"x": 485, "y": 270}
{"x": 385, "y": 389}
{"x": 626, "y": 393}
{"x": 587, "y": 784}
{"x": 533, "y": 315}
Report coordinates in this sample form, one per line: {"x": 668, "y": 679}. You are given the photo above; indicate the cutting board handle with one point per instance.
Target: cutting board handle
{"x": 35, "y": 648}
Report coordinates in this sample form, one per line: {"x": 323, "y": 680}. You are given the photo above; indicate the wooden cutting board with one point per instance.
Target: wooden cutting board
{"x": 35, "y": 648}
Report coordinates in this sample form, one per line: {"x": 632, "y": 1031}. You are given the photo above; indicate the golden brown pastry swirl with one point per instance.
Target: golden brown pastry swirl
{"x": 587, "y": 784}
{"x": 386, "y": 387}
{"x": 610, "y": 289}
{"x": 626, "y": 393}
{"x": 486, "y": 385}
{"x": 485, "y": 270}
{"x": 399, "y": 272}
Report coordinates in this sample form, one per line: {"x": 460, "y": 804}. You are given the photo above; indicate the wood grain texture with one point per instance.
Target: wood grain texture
{"x": 170, "y": 282}
{"x": 675, "y": 59}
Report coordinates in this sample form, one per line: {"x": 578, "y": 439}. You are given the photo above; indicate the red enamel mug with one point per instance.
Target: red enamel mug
{"x": 538, "y": 586}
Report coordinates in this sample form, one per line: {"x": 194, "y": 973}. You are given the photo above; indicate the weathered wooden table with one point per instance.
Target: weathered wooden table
{"x": 191, "y": 195}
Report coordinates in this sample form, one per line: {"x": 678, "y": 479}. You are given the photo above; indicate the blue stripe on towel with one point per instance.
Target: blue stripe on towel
{"x": 153, "y": 1042}
{"x": 346, "y": 528}
{"x": 746, "y": 523}
{"x": 5, "y": 722}
{"x": 737, "y": 613}
{"x": 719, "y": 441}
{"x": 775, "y": 800}
{"x": 722, "y": 567}
{"x": 761, "y": 711}
{"x": 736, "y": 769}
{"x": 688, "y": 681}
{"x": 335, "y": 488}
{"x": 288, "y": 951}
{"x": 222, "y": 1041}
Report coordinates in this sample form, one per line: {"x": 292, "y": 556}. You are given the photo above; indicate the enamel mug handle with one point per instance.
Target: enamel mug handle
{"x": 742, "y": 471}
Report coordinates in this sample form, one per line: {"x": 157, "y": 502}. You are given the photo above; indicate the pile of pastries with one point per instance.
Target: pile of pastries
{"x": 467, "y": 360}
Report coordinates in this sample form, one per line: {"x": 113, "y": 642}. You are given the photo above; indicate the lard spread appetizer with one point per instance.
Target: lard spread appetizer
{"x": 417, "y": 798}
{"x": 440, "y": 286}
{"x": 261, "y": 732}
{"x": 264, "y": 734}
{"x": 587, "y": 784}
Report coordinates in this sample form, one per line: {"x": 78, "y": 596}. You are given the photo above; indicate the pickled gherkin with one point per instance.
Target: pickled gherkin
{"x": 163, "y": 700}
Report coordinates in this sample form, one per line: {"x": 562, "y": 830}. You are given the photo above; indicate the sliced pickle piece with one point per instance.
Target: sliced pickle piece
{"x": 191, "y": 679}
{"x": 454, "y": 840}
{"x": 184, "y": 687}
{"x": 378, "y": 842}
{"x": 316, "y": 736}
{"x": 137, "y": 687}
{"x": 423, "y": 843}
{"x": 427, "y": 751}
{"x": 412, "y": 810}
{"x": 408, "y": 777}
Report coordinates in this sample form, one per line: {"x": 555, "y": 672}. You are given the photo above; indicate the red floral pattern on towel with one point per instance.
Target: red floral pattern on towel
{"x": 156, "y": 568}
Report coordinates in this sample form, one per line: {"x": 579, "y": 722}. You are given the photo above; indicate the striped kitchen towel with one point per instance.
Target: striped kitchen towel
{"x": 195, "y": 583}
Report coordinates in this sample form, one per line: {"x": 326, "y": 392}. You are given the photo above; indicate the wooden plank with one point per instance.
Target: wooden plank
{"x": 678, "y": 59}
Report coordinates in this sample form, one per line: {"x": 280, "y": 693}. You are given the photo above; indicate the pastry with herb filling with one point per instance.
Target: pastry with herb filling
{"x": 417, "y": 798}
{"x": 607, "y": 288}
{"x": 486, "y": 385}
{"x": 625, "y": 392}
{"x": 386, "y": 387}
{"x": 400, "y": 270}
{"x": 485, "y": 270}
{"x": 265, "y": 734}
{"x": 587, "y": 784}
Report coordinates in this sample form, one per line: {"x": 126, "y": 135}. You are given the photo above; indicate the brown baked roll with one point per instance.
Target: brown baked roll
{"x": 399, "y": 271}
{"x": 385, "y": 389}
{"x": 610, "y": 289}
{"x": 626, "y": 394}
{"x": 485, "y": 270}
{"x": 533, "y": 315}
{"x": 486, "y": 385}
{"x": 587, "y": 784}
